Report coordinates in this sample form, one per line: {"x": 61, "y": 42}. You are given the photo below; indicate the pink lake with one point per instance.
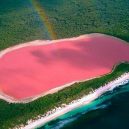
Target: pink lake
{"x": 33, "y": 70}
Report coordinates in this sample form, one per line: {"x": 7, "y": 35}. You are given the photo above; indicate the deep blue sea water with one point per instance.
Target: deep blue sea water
{"x": 109, "y": 111}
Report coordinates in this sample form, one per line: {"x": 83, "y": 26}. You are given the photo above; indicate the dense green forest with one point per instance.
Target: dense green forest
{"x": 20, "y": 22}
{"x": 15, "y": 114}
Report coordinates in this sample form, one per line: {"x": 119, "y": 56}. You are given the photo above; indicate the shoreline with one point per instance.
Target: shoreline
{"x": 43, "y": 42}
{"x": 53, "y": 114}
{"x": 47, "y": 42}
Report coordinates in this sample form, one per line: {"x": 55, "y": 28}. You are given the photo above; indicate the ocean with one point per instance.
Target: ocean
{"x": 109, "y": 111}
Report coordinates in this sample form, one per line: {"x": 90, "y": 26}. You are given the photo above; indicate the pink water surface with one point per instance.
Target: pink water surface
{"x": 34, "y": 70}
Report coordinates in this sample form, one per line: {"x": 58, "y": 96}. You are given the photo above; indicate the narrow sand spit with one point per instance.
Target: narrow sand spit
{"x": 124, "y": 79}
{"x": 37, "y": 68}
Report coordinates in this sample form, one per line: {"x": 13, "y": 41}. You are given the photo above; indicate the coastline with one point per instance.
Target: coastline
{"x": 53, "y": 114}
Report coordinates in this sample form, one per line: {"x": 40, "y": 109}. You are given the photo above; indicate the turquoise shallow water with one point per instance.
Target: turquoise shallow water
{"x": 109, "y": 111}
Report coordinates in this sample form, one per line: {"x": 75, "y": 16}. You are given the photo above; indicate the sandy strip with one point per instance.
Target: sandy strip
{"x": 122, "y": 80}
